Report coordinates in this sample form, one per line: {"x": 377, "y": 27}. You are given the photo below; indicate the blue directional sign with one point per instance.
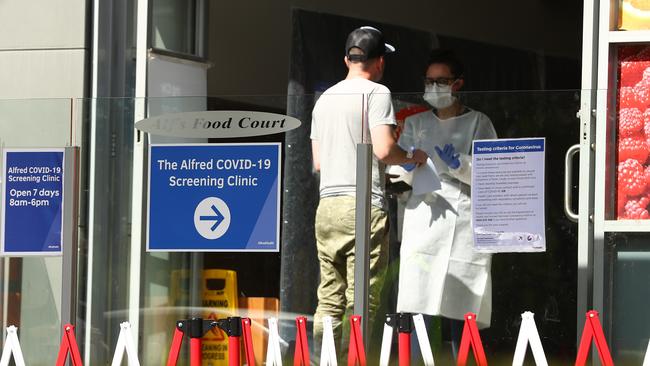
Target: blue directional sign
{"x": 214, "y": 197}
{"x": 32, "y": 202}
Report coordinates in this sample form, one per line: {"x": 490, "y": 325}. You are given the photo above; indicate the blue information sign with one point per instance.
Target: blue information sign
{"x": 32, "y": 201}
{"x": 214, "y": 197}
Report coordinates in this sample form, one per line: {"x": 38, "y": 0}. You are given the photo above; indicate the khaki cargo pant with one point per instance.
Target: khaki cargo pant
{"x": 335, "y": 222}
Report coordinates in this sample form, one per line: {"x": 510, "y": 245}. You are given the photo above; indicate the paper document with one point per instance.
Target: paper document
{"x": 425, "y": 179}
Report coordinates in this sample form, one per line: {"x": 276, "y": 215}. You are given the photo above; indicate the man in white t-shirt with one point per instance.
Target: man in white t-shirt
{"x": 343, "y": 117}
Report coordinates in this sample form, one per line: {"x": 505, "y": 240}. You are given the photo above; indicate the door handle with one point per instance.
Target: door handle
{"x": 568, "y": 182}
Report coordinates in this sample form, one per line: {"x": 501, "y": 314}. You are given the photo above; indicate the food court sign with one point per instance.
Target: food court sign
{"x": 218, "y": 124}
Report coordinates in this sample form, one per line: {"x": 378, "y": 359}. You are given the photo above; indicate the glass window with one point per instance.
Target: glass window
{"x": 176, "y": 26}
{"x": 627, "y": 271}
{"x": 633, "y": 131}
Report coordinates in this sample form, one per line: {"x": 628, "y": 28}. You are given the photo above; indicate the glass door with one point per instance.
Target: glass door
{"x": 621, "y": 238}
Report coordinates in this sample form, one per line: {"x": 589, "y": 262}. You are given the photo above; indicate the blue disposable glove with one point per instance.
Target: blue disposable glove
{"x": 449, "y": 156}
{"x": 409, "y": 166}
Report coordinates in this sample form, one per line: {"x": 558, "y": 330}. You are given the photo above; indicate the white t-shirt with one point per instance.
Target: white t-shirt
{"x": 338, "y": 125}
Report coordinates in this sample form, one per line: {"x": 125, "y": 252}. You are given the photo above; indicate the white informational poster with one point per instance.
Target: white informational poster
{"x": 508, "y": 195}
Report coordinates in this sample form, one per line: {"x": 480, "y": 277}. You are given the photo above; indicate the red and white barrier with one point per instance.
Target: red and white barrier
{"x": 423, "y": 339}
{"x": 386, "y": 342}
{"x": 125, "y": 343}
{"x": 471, "y": 338}
{"x": 237, "y": 327}
{"x": 69, "y": 345}
{"x": 404, "y": 323}
{"x": 528, "y": 334}
{"x": 357, "y": 351}
{"x": 12, "y": 346}
{"x": 273, "y": 353}
{"x": 328, "y": 348}
{"x": 593, "y": 330}
{"x": 249, "y": 352}
{"x": 301, "y": 354}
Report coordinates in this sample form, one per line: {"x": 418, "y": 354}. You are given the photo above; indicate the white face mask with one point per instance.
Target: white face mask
{"x": 438, "y": 96}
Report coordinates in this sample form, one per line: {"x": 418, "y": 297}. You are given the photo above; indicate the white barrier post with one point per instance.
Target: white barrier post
{"x": 273, "y": 354}
{"x": 125, "y": 342}
{"x": 423, "y": 340}
{"x": 328, "y": 348}
{"x": 12, "y": 345}
{"x": 386, "y": 342}
{"x": 528, "y": 334}
{"x": 646, "y": 359}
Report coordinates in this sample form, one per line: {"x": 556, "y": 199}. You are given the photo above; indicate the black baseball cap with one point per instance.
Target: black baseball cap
{"x": 370, "y": 40}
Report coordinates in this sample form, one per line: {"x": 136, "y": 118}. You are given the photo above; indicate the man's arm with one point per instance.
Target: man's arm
{"x": 386, "y": 149}
{"x": 314, "y": 155}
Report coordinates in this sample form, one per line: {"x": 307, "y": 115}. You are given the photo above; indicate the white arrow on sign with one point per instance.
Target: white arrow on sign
{"x": 212, "y": 218}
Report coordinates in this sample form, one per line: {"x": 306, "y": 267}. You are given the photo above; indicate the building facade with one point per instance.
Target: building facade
{"x": 82, "y": 73}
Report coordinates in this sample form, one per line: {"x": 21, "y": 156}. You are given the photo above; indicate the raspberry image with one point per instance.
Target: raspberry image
{"x": 646, "y": 123}
{"x": 632, "y": 147}
{"x": 642, "y": 94}
{"x": 632, "y": 71}
{"x": 626, "y": 97}
{"x": 631, "y": 177}
{"x": 646, "y": 74}
{"x": 621, "y": 200}
{"x": 637, "y": 209}
{"x": 630, "y": 121}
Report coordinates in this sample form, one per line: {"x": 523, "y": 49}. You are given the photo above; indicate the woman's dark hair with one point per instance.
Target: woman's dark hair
{"x": 447, "y": 57}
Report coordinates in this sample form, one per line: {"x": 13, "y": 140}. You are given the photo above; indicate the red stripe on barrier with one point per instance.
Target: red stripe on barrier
{"x": 175, "y": 348}
{"x": 593, "y": 330}
{"x": 248, "y": 341}
{"x": 356, "y": 352}
{"x": 68, "y": 344}
{"x": 404, "y": 342}
{"x": 471, "y": 337}
{"x": 196, "y": 355}
{"x": 234, "y": 351}
{"x": 301, "y": 354}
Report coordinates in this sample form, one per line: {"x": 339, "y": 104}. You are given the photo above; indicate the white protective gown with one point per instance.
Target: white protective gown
{"x": 440, "y": 273}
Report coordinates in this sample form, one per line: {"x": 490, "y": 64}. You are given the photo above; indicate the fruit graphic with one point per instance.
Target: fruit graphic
{"x": 633, "y": 147}
{"x": 633, "y": 127}
{"x": 626, "y": 97}
{"x": 642, "y": 94}
{"x": 637, "y": 209}
{"x": 621, "y": 200}
{"x": 631, "y": 177}
{"x": 632, "y": 70}
{"x": 630, "y": 122}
